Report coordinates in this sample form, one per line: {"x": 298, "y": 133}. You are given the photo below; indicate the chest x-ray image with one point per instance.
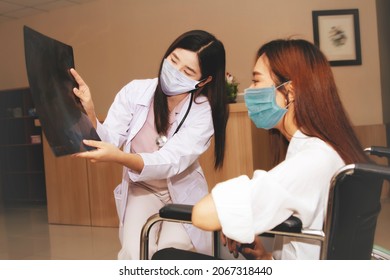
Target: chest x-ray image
{"x": 62, "y": 117}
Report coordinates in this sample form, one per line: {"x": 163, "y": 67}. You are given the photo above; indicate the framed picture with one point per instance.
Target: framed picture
{"x": 337, "y": 34}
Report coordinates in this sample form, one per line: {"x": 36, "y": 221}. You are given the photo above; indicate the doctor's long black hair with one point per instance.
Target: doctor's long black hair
{"x": 211, "y": 54}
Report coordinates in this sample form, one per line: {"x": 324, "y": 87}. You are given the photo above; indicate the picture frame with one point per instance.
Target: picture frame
{"x": 337, "y": 34}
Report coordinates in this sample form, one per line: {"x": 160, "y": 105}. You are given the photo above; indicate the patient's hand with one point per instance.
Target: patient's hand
{"x": 255, "y": 250}
{"x": 231, "y": 244}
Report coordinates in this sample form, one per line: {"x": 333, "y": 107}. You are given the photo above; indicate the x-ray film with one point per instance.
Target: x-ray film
{"x": 62, "y": 117}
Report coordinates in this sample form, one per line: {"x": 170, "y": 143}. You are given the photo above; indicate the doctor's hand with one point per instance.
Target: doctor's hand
{"x": 104, "y": 152}
{"x": 84, "y": 94}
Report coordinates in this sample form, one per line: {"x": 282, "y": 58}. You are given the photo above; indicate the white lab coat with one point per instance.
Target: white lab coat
{"x": 299, "y": 185}
{"x": 177, "y": 160}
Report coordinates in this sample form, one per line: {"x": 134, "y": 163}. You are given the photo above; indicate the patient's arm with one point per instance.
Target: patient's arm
{"x": 204, "y": 214}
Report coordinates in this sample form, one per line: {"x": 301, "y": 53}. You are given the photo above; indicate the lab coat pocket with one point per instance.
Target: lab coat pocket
{"x": 191, "y": 187}
{"x": 117, "y": 197}
{"x": 120, "y": 195}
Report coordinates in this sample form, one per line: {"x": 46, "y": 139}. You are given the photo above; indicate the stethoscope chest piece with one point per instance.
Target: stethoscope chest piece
{"x": 161, "y": 140}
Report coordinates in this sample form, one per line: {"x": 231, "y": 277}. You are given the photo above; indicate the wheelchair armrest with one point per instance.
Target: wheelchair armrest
{"x": 292, "y": 224}
{"x": 180, "y": 212}
{"x": 379, "y": 151}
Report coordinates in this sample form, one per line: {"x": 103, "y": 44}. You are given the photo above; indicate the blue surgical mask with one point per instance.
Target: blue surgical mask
{"x": 174, "y": 82}
{"x": 262, "y": 107}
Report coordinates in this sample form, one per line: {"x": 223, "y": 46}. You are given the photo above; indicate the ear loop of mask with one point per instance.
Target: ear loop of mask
{"x": 288, "y": 102}
{"x": 201, "y": 81}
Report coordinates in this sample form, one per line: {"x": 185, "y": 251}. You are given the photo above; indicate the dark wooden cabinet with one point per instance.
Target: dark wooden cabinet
{"x": 21, "y": 154}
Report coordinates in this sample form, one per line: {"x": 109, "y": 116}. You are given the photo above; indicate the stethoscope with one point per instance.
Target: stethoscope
{"x": 162, "y": 139}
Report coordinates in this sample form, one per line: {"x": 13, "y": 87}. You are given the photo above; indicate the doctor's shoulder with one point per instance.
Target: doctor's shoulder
{"x": 139, "y": 89}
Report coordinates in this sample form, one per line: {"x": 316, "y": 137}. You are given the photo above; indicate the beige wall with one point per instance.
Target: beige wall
{"x": 117, "y": 41}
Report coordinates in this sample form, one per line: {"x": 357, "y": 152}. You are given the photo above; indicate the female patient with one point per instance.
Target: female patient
{"x": 293, "y": 92}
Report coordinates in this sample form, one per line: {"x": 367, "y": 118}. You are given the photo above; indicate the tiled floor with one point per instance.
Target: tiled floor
{"x": 26, "y": 235}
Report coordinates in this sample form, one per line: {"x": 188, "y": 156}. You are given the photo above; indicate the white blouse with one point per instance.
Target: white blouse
{"x": 297, "y": 186}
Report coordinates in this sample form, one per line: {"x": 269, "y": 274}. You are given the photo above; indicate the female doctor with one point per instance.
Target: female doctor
{"x": 163, "y": 125}
{"x": 294, "y": 94}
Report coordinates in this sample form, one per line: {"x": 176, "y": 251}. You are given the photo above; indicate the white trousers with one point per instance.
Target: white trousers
{"x": 141, "y": 204}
